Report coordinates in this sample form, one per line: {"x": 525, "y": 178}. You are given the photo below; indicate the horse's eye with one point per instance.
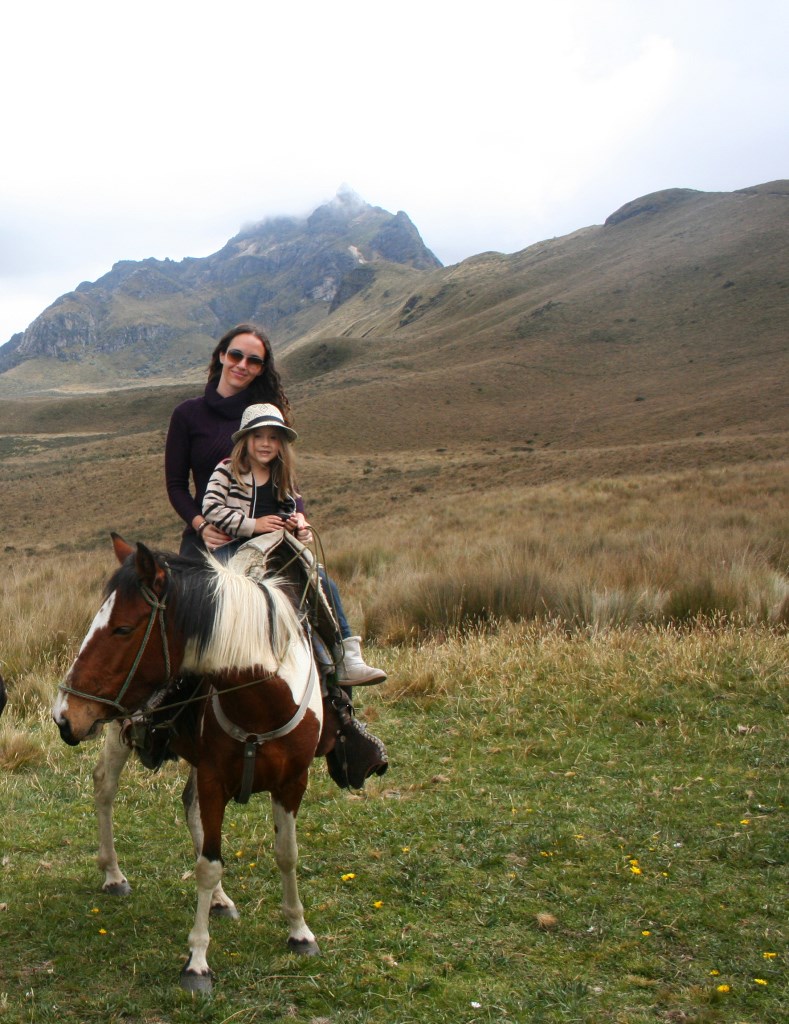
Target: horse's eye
{"x": 123, "y": 630}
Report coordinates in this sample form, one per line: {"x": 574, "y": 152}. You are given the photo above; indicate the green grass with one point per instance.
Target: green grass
{"x": 530, "y": 770}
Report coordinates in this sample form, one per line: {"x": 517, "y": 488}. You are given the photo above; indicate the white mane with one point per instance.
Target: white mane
{"x": 241, "y": 637}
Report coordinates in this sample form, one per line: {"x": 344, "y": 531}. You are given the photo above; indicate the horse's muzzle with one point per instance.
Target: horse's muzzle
{"x": 65, "y": 732}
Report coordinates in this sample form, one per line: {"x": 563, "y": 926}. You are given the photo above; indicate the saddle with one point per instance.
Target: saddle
{"x": 272, "y": 554}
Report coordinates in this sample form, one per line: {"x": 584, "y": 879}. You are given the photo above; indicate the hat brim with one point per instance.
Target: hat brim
{"x": 264, "y": 421}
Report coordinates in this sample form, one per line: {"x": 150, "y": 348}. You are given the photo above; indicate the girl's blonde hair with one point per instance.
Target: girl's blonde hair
{"x": 283, "y": 475}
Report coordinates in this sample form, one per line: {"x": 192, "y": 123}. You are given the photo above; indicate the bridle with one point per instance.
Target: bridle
{"x": 157, "y": 606}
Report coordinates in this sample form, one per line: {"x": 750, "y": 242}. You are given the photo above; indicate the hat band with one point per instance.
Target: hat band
{"x": 263, "y": 421}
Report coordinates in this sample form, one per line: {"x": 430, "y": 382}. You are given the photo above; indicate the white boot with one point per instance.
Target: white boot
{"x": 351, "y": 669}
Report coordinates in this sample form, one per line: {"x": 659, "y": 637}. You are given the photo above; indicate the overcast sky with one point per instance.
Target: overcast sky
{"x": 159, "y": 128}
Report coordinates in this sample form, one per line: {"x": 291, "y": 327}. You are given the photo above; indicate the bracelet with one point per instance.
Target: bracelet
{"x": 201, "y": 527}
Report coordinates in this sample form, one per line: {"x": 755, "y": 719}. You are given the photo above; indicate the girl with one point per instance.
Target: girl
{"x": 254, "y": 492}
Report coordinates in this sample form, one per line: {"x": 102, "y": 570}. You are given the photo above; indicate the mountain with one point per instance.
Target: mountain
{"x": 155, "y": 318}
{"x": 667, "y": 321}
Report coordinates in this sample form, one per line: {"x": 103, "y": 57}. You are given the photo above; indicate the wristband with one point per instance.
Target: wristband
{"x": 201, "y": 527}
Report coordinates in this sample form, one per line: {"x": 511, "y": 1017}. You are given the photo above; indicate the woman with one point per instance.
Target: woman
{"x": 241, "y": 373}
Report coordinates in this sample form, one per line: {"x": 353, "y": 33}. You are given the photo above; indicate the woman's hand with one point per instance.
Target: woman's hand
{"x": 214, "y": 538}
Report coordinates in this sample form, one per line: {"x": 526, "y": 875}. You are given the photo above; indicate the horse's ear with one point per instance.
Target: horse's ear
{"x": 122, "y": 549}
{"x": 149, "y": 571}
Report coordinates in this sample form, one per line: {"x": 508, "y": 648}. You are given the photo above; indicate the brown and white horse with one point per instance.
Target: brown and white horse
{"x": 254, "y": 723}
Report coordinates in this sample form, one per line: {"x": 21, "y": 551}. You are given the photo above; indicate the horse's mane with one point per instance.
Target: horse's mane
{"x": 229, "y": 620}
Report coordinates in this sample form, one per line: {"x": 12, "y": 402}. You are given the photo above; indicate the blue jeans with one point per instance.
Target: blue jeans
{"x": 333, "y": 595}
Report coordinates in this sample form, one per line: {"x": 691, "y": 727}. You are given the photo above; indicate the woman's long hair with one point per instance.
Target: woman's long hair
{"x": 283, "y": 468}
{"x": 267, "y": 386}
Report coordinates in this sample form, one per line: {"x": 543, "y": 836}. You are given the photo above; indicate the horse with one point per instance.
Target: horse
{"x": 253, "y": 719}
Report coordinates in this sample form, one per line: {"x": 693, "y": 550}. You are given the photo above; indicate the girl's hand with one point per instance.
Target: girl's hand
{"x": 269, "y": 524}
{"x": 302, "y": 529}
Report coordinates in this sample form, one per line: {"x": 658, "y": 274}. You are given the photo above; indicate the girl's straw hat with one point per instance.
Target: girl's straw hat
{"x": 256, "y": 416}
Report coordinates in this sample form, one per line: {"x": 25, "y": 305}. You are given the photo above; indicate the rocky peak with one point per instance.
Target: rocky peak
{"x": 283, "y": 272}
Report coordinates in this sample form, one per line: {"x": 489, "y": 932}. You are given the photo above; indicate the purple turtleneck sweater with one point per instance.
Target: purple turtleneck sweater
{"x": 199, "y": 437}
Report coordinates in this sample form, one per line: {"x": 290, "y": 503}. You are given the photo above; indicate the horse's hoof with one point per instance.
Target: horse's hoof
{"x": 117, "y": 888}
{"x": 222, "y": 910}
{"x": 304, "y": 947}
{"x": 191, "y": 981}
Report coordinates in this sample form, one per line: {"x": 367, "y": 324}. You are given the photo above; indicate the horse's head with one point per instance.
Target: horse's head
{"x": 125, "y": 656}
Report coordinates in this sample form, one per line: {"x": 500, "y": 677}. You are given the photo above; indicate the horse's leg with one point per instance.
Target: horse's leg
{"x": 196, "y": 975}
{"x": 286, "y": 853}
{"x": 113, "y": 757}
{"x": 221, "y": 904}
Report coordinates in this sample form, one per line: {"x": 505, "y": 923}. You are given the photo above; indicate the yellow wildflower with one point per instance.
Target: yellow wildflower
{"x": 348, "y": 877}
{"x": 760, "y": 981}
{"x": 102, "y": 931}
{"x": 769, "y": 956}
{"x": 636, "y": 870}
{"x": 714, "y": 973}
{"x": 646, "y": 932}
{"x": 723, "y": 988}
{"x": 378, "y": 904}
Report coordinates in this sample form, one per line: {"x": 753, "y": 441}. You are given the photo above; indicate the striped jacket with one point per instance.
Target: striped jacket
{"x": 229, "y": 503}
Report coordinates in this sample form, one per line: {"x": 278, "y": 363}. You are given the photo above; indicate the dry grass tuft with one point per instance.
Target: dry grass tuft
{"x": 20, "y": 749}
{"x": 46, "y": 607}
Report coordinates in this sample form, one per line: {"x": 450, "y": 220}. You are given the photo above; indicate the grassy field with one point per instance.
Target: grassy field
{"x": 583, "y": 820}
{"x": 576, "y": 827}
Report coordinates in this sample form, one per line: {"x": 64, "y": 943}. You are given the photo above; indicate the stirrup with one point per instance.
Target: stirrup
{"x": 151, "y": 745}
{"x": 356, "y": 754}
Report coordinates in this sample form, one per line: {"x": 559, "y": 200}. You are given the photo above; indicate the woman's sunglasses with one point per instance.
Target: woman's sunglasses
{"x": 236, "y": 357}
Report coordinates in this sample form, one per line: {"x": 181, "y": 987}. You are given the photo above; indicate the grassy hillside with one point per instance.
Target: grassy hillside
{"x": 668, "y": 325}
